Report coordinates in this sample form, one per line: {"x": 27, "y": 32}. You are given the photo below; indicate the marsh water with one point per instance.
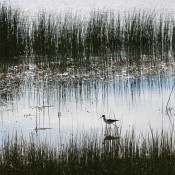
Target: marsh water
{"x": 57, "y": 105}
{"x": 84, "y": 6}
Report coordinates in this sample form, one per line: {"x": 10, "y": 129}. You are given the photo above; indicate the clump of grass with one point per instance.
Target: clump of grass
{"x": 104, "y": 35}
{"x": 154, "y": 154}
{"x": 71, "y": 40}
{"x": 14, "y": 36}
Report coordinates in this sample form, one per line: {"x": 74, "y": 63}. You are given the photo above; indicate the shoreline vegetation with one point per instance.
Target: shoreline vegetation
{"x": 151, "y": 154}
{"x": 132, "y": 37}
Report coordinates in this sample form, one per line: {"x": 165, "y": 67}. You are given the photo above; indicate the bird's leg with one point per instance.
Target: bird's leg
{"x": 115, "y": 125}
{"x": 106, "y": 130}
{"x": 110, "y": 130}
{"x": 116, "y": 128}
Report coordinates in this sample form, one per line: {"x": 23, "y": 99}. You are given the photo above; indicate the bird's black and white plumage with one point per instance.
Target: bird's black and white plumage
{"x": 108, "y": 121}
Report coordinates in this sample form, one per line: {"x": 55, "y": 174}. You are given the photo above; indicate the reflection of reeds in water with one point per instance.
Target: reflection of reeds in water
{"x": 72, "y": 40}
{"x": 146, "y": 155}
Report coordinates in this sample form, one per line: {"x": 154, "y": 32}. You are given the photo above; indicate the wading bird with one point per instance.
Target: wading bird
{"x": 108, "y": 121}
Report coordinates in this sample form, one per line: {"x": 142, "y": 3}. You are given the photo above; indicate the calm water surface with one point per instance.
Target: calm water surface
{"x": 84, "y": 6}
{"x": 60, "y": 108}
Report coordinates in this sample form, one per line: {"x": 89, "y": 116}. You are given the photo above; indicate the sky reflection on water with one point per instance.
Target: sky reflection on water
{"x": 137, "y": 102}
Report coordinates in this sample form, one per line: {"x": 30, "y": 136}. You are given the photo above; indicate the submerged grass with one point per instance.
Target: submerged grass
{"x": 154, "y": 154}
{"x": 71, "y": 39}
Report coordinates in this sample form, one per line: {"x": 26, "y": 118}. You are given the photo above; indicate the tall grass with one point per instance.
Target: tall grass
{"x": 13, "y": 35}
{"x": 71, "y": 39}
{"x": 152, "y": 154}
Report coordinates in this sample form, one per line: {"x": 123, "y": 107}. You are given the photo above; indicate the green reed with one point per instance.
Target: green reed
{"x": 13, "y": 32}
{"x": 151, "y": 154}
{"x": 14, "y": 36}
{"x": 72, "y": 39}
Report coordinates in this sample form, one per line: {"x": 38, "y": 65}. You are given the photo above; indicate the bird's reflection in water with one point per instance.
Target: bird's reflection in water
{"x": 111, "y": 136}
